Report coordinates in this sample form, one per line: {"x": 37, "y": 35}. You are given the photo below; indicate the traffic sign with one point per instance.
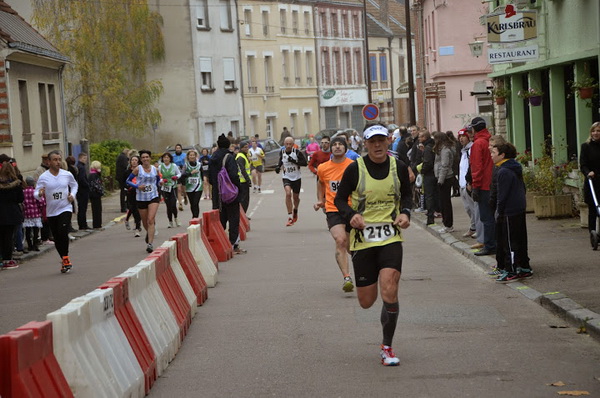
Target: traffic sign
{"x": 370, "y": 111}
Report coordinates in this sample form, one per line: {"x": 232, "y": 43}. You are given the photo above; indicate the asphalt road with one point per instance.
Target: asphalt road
{"x": 279, "y": 324}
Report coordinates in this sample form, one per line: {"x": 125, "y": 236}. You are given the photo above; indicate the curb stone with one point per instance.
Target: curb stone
{"x": 556, "y": 302}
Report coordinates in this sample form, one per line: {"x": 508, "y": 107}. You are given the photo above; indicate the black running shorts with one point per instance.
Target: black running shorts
{"x": 295, "y": 185}
{"x": 368, "y": 262}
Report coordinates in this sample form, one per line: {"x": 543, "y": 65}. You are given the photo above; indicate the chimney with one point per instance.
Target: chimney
{"x": 384, "y": 13}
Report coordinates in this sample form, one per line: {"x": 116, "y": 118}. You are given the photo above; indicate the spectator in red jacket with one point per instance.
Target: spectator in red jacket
{"x": 481, "y": 172}
{"x": 321, "y": 156}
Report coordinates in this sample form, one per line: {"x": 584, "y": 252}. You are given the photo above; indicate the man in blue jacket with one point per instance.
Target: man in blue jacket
{"x": 511, "y": 226}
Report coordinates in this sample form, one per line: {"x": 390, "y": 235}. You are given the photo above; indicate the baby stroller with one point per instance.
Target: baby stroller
{"x": 595, "y": 234}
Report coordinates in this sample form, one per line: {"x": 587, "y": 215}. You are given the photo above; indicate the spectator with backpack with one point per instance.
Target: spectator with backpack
{"x": 225, "y": 182}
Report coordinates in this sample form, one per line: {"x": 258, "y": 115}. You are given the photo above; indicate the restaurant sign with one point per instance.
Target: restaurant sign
{"x": 511, "y": 25}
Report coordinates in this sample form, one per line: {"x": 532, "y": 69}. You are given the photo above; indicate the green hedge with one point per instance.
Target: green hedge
{"x": 106, "y": 152}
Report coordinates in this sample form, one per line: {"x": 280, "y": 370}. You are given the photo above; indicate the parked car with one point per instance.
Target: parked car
{"x": 271, "y": 149}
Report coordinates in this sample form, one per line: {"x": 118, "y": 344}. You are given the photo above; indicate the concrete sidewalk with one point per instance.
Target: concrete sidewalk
{"x": 566, "y": 269}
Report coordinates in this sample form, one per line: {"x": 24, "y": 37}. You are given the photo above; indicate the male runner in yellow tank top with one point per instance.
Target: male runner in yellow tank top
{"x": 330, "y": 173}
{"x": 381, "y": 202}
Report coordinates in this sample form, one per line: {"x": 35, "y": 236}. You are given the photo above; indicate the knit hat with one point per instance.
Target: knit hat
{"x": 341, "y": 140}
{"x": 30, "y": 181}
{"x": 223, "y": 142}
{"x": 463, "y": 132}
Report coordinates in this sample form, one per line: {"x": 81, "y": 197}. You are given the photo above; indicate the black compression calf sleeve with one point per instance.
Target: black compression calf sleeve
{"x": 389, "y": 319}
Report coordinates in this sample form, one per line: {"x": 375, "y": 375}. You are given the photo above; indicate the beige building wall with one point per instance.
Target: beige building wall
{"x": 278, "y": 69}
{"x": 178, "y": 105}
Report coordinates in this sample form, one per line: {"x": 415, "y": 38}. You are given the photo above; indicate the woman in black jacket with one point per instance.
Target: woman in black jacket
{"x": 589, "y": 164}
{"x": 11, "y": 215}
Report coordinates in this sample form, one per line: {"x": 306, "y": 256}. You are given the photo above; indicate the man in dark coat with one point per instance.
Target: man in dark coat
{"x": 429, "y": 180}
{"x": 83, "y": 194}
{"x": 229, "y": 212}
{"x": 121, "y": 174}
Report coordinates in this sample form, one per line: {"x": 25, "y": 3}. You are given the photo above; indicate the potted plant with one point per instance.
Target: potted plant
{"x": 584, "y": 86}
{"x": 534, "y": 95}
{"x": 500, "y": 93}
{"x": 549, "y": 178}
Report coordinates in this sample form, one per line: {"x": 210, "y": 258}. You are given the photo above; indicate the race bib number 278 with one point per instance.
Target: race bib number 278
{"x": 378, "y": 232}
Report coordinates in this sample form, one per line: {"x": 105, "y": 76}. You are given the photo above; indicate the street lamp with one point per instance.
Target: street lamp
{"x": 476, "y": 48}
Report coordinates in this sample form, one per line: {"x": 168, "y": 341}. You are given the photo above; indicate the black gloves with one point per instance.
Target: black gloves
{"x": 475, "y": 194}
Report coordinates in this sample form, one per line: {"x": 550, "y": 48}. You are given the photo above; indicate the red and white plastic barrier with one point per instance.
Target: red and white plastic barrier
{"x": 28, "y": 367}
{"x": 92, "y": 349}
{"x": 136, "y": 336}
{"x": 116, "y": 340}
{"x": 153, "y": 311}
{"x": 182, "y": 279}
{"x": 216, "y": 235}
{"x": 201, "y": 255}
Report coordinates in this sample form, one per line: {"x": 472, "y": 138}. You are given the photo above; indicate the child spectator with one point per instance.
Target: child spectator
{"x": 33, "y": 209}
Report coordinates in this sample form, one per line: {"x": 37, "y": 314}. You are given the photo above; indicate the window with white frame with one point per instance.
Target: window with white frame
{"x": 265, "y": 23}
{"x": 295, "y": 22}
{"x": 202, "y": 15}
{"x": 248, "y": 22}
{"x": 269, "y": 86}
{"x": 225, "y": 13}
{"x": 229, "y": 73}
{"x": 306, "y": 123}
{"x": 334, "y": 24}
{"x": 206, "y": 73}
{"x": 307, "y": 23}
{"x": 285, "y": 66}
{"x": 297, "y": 66}
{"x": 337, "y": 67}
{"x": 283, "y": 21}
{"x": 251, "y": 78}
{"x": 293, "y": 122}
{"x": 347, "y": 67}
{"x": 308, "y": 56}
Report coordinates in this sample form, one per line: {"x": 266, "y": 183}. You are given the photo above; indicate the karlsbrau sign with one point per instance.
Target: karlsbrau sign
{"x": 511, "y": 25}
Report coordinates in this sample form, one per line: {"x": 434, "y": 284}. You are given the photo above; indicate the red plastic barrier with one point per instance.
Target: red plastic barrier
{"x": 171, "y": 290}
{"x": 209, "y": 248}
{"x": 244, "y": 220}
{"x": 136, "y": 336}
{"x": 190, "y": 268}
{"x": 216, "y": 235}
{"x": 242, "y": 231}
{"x": 28, "y": 367}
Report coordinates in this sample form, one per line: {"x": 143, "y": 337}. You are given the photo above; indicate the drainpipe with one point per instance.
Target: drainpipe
{"x": 64, "y": 112}
{"x": 390, "y": 40}
{"x": 241, "y": 71}
{"x": 409, "y": 61}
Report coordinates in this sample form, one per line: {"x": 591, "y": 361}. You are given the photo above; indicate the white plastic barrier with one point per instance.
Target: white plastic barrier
{"x": 201, "y": 255}
{"x": 180, "y": 275}
{"x": 154, "y": 312}
{"x": 92, "y": 350}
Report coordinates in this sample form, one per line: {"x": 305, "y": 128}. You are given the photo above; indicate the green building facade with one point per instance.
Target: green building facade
{"x": 568, "y": 41}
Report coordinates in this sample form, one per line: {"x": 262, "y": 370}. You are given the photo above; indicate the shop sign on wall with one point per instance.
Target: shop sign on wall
{"x": 509, "y": 25}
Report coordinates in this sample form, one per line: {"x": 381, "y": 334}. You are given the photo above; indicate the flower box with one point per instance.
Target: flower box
{"x": 553, "y": 206}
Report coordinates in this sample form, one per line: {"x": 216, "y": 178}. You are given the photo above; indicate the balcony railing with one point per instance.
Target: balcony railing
{"x": 252, "y": 89}
{"x": 297, "y": 81}
{"x": 309, "y": 80}
{"x": 270, "y": 89}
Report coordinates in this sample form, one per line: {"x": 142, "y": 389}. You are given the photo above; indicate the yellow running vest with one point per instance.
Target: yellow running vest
{"x": 378, "y": 201}
{"x": 246, "y": 166}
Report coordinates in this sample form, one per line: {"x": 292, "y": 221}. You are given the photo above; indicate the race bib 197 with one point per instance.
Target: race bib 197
{"x": 378, "y": 232}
